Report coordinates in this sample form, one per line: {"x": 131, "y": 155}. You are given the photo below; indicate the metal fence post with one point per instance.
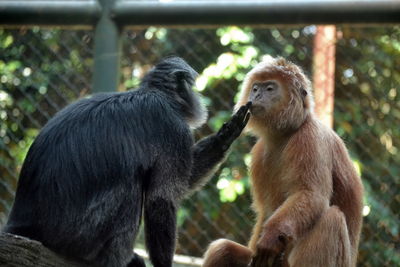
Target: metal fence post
{"x": 107, "y": 51}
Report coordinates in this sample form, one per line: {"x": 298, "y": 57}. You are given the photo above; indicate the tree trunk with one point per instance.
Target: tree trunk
{"x": 17, "y": 251}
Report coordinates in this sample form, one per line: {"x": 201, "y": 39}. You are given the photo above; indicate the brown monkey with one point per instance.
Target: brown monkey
{"x": 306, "y": 192}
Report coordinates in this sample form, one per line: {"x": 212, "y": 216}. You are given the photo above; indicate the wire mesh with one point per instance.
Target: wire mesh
{"x": 42, "y": 70}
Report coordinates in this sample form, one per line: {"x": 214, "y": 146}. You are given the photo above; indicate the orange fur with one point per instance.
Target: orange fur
{"x": 226, "y": 253}
{"x": 306, "y": 192}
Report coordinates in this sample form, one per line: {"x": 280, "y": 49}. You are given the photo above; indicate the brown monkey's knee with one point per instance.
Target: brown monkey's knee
{"x": 226, "y": 253}
{"x": 334, "y": 216}
{"x": 327, "y": 244}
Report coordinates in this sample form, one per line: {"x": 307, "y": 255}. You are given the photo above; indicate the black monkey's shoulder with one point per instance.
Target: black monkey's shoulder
{"x": 136, "y": 105}
{"x": 145, "y": 114}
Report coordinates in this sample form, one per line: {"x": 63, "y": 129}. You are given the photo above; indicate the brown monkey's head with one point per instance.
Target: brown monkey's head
{"x": 280, "y": 94}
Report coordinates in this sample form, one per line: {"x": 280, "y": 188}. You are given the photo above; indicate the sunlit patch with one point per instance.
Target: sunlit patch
{"x": 247, "y": 159}
{"x": 201, "y": 82}
{"x": 222, "y": 183}
{"x": 366, "y": 210}
{"x": 267, "y": 58}
{"x": 357, "y": 166}
{"x": 3, "y": 96}
{"x": 235, "y": 35}
{"x": 27, "y": 72}
{"x": 224, "y": 61}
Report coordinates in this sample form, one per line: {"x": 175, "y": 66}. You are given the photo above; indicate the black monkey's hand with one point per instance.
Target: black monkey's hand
{"x": 232, "y": 129}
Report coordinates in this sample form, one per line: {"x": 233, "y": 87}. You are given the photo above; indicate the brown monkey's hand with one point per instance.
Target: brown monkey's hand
{"x": 233, "y": 128}
{"x": 270, "y": 248}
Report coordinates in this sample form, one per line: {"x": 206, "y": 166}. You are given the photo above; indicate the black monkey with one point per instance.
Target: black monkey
{"x": 100, "y": 160}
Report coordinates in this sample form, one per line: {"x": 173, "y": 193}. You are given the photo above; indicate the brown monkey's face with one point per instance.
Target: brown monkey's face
{"x": 265, "y": 97}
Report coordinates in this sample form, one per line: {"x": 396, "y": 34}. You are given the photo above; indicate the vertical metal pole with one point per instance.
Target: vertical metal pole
{"x": 107, "y": 51}
{"x": 324, "y": 72}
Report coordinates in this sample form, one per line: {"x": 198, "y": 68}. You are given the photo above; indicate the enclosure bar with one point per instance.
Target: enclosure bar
{"x": 49, "y": 12}
{"x": 87, "y": 12}
{"x": 107, "y": 51}
{"x": 257, "y": 12}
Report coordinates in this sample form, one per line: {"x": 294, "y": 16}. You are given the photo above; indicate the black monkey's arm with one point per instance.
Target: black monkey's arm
{"x": 210, "y": 151}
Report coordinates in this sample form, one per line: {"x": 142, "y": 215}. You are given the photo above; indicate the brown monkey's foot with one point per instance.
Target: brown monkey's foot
{"x": 226, "y": 253}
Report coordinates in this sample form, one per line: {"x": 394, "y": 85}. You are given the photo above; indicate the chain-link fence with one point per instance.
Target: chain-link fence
{"x": 42, "y": 70}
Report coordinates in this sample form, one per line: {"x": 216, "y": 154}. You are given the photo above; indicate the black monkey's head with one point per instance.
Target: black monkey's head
{"x": 176, "y": 78}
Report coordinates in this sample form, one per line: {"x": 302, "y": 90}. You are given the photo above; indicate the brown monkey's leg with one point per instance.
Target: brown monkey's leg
{"x": 326, "y": 245}
{"x": 257, "y": 229}
{"x": 226, "y": 253}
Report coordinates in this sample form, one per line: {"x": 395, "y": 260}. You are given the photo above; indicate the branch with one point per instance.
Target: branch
{"x": 16, "y": 251}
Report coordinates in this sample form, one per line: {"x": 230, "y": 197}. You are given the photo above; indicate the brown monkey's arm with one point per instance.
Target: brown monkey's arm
{"x": 297, "y": 214}
{"x": 293, "y": 218}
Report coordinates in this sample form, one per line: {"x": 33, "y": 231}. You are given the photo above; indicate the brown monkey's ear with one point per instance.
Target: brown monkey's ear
{"x": 303, "y": 96}
{"x": 303, "y": 92}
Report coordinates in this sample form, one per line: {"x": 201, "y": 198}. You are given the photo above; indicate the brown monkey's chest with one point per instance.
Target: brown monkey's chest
{"x": 268, "y": 185}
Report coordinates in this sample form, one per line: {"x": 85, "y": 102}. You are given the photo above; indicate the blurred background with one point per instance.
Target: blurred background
{"x": 44, "y": 69}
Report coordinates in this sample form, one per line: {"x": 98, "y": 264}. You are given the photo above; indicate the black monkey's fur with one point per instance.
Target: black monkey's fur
{"x": 100, "y": 160}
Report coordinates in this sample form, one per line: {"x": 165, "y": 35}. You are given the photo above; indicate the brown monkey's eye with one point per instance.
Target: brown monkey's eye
{"x": 270, "y": 88}
{"x": 255, "y": 88}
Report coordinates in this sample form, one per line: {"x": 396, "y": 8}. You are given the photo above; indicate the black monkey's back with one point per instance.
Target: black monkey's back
{"x": 82, "y": 185}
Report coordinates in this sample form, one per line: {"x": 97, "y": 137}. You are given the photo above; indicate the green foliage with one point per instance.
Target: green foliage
{"x": 367, "y": 109}
{"x": 233, "y": 63}
{"x": 229, "y": 187}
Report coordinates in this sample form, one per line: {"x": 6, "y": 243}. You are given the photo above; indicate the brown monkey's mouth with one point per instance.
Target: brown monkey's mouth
{"x": 256, "y": 109}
